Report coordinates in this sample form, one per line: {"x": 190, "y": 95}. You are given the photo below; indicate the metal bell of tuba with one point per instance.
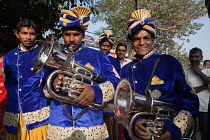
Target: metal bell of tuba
{"x": 129, "y": 105}
{"x": 74, "y": 73}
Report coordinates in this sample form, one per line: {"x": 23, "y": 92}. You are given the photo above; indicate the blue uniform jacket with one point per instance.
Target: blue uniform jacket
{"x": 115, "y": 62}
{"x": 172, "y": 85}
{"x": 91, "y": 123}
{"x": 25, "y": 90}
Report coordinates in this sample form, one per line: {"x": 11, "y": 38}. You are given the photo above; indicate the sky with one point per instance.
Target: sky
{"x": 201, "y": 39}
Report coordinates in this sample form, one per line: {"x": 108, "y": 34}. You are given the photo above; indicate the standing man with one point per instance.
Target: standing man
{"x": 82, "y": 121}
{"x": 121, "y": 51}
{"x": 167, "y": 83}
{"x": 199, "y": 78}
{"x": 106, "y": 42}
{"x": 27, "y": 112}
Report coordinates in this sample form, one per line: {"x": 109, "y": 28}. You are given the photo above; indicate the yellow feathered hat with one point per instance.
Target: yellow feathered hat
{"x": 79, "y": 16}
{"x": 107, "y": 36}
{"x": 141, "y": 19}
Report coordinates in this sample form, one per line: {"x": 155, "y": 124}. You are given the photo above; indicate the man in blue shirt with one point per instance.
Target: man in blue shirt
{"x": 27, "y": 112}
{"x": 83, "y": 121}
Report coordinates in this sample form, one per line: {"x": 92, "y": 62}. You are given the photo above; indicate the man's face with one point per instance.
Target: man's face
{"x": 207, "y": 63}
{"x": 73, "y": 39}
{"x": 27, "y": 37}
{"x": 142, "y": 43}
{"x": 195, "y": 58}
{"x": 121, "y": 51}
{"x": 105, "y": 47}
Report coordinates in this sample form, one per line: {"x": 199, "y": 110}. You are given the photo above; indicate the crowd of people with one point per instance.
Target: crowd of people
{"x": 29, "y": 112}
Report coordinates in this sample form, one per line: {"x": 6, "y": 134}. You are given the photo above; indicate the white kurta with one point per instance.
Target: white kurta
{"x": 196, "y": 81}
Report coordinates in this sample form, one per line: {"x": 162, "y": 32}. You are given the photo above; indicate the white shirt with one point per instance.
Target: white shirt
{"x": 196, "y": 81}
{"x": 126, "y": 61}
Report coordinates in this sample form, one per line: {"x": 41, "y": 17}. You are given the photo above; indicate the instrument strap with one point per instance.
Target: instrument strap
{"x": 69, "y": 115}
{"x": 147, "y": 91}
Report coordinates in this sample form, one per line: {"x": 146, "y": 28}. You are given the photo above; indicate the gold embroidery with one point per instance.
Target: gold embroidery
{"x": 184, "y": 121}
{"x": 156, "y": 80}
{"x": 88, "y": 65}
{"x": 107, "y": 91}
{"x": 90, "y": 133}
{"x": 11, "y": 119}
{"x": 115, "y": 72}
{"x": 148, "y": 55}
{"x": 36, "y": 116}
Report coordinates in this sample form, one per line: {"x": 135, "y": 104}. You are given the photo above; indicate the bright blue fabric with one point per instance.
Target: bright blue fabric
{"x": 174, "y": 90}
{"x": 18, "y": 63}
{"x": 90, "y": 118}
{"x": 115, "y": 62}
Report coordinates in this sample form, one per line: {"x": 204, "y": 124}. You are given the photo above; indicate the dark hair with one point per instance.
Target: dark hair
{"x": 73, "y": 28}
{"x": 25, "y": 23}
{"x": 206, "y": 61}
{"x": 195, "y": 50}
{"x": 131, "y": 36}
{"x": 121, "y": 44}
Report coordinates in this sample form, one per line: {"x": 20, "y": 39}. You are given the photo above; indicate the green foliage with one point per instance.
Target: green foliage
{"x": 174, "y": 19}
{"x": 45, "y": 13}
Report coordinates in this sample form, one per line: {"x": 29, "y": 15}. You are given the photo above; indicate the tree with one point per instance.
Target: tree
{"x": 174, "y": 18}
{"x": 44, "y": 12}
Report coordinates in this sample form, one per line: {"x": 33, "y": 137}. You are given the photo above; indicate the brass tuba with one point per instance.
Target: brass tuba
{"x": 128, "y": 106}
{"x": 74, "y": 73}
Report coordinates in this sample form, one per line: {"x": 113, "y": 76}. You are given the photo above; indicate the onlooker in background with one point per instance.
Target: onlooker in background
{"x": 121, "y": 51}
{"x": 3, "y": 93}
{"x": 106, "y": 42}
{"x": 206, "y": 63}
{"x": 199, "y": 78}
{"x": 27, "y": 112}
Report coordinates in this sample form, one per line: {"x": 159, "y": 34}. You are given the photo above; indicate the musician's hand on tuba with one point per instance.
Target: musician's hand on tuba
{"x": 165, "y": 136}
{"x": 140, "y": 130}
{"x": 87, "y": 96}
{"x": 57, "y": 82}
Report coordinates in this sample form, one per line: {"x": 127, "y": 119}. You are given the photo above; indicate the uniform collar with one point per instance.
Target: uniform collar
{"x": 32, "y": 48}
{"x": 147, "y": 55}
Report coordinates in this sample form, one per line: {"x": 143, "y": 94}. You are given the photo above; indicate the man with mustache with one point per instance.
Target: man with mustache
{"x": 159, "y": 77}
{"x": 70, "y": 121}
{"x": 199, "y": 78}
{"x": 27, "y": 112}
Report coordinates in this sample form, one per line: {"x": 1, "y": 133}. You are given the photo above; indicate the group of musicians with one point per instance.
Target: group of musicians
{"x": 32, "y": 113}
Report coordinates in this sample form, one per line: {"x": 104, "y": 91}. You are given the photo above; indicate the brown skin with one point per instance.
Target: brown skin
{"x": 195, "y": 59}
{"x": 105, "y": 47}
{"x": 73, "y": 40}
{"x": 27, "y": 37}
{"x": 121, "y": 51}
{"x": 142, "y": 44}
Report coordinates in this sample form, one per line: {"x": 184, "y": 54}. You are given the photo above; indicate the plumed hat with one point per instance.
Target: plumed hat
{"x": 107, "y": 36}
{"x": 79, "y": 16}
{"x": 141, "y": 19}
